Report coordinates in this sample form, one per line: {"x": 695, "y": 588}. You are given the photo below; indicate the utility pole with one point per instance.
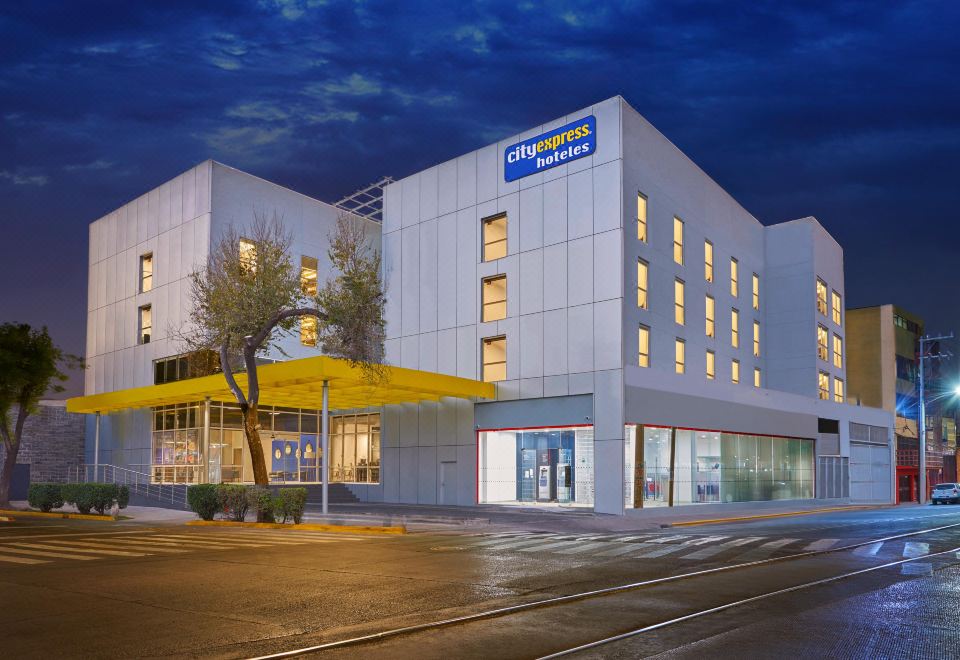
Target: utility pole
{"x": 922, "y": 422}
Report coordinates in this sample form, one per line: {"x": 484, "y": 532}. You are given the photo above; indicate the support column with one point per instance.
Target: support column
{"x": 673, "y": 463}
{"x": 325, "y": 442}
{"x": 639, "y": 468}
{"x": 96, "y": 448}
{"x": 205, "y": 441}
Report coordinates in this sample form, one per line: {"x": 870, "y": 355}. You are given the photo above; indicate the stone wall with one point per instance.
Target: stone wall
{"x": 52, "y": 442}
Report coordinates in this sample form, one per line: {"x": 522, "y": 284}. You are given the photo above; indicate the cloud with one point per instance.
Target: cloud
{"x": 353, "y": 85}
{"x": 19, "y": 178}
{"x": 260, "y": 110}
{"x": 98, "y": 164}
{"x": 292, "y": 10}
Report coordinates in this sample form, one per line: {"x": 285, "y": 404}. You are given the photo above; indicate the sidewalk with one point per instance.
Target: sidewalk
{"x": 138, "y": 514}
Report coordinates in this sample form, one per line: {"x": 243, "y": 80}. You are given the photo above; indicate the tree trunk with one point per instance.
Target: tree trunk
{"x": 7, "y": 475}
{"x": 251, "y": 430}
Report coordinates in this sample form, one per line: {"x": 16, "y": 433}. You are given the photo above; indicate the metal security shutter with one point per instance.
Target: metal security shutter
{"x": 870, "y": 479}
{"x": 833, "y": 477}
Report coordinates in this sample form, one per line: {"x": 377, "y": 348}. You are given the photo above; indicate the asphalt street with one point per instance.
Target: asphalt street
{"x": 95, "y": 589}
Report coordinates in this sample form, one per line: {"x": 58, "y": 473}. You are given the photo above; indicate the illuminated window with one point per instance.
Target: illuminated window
{"x": 822, "y": 350}
{"x": 821, "y": 296}
{"x": 495, "y": 237}
{"x": 823, "y": 385}
{"x": 248, "y": 254}
{"x": 641, "y": 217}
{"x": 308, "y": 330}
{"x": 837, "y": 309}
{"x": 734, "y": 277}
{"x": 735, "y": 328}
{"x": 838, "y": 390}
{"x": 642, "y": 272}
{"x": 681, "y": 354}
{"x": 711, "y": 308}
{"x": 494, "y": 296}
{"x": 756, "y": 291}
{"x": 644, "y": 346}
{"x": 735, "y": 371}
{"x": 708, "y": 261}
{"x": 308, "y": 275}
{"x": 711, "y": 365}
{"x": 678, "y": 308}
{"x": 146, "y": 272}
{"x": 678, "y": 240}
{"x": 756, "y": 376}
{"x": 145, "y": 324}
{"x": 838, "y": 352}
{"x": 756, "y": 338}
{"x": 494, "y": 358}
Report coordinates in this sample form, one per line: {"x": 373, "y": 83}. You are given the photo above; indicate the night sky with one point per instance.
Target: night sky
{"x": 849, "y": 111}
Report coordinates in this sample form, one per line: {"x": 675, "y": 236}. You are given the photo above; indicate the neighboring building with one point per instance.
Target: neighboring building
{"x": 632, "y": 315}
{"x": 52, "y": 442}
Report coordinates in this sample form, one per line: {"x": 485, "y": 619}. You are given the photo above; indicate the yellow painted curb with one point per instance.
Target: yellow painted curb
{"x": 303, "y": 527}
{"x": 41, "y": 514}
{"x": 5, "y": 519}
{"x": 715, "y": 521}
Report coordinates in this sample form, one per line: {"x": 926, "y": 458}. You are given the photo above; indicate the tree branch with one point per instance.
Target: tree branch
{"x": 228, "y": 372}
{"x": 280, "y": 316}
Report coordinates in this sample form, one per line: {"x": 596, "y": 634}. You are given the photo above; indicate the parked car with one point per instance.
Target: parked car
{"x": 946, "y": 493}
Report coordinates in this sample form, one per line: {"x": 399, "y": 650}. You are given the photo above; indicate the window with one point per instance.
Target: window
{"x": 708, "y": 261}
{"x": 756, "y": 339}
{"x": 838, "y": 352}
{"x": 822, "y": 343}
{"x": 756, "y": 376}
{"x": 838, "y": 390}
{"x": 248, "y": 254}
{"x": 146, "y": 272}
{"x": 678, "y": 308}
{"x": 494, "y": 358}
{"x": 494, "y": 296}
{"x": 711, "y": 365}
{"x": 821, "y": 296}
{"x": 735, "y": 371}
{"x": 678, "y": 240}
{"x": 641, "y": 217}
{"x": 145, "y": 323}
{"x": 734, "y": 277}
{"x": 642, "y": 271}
{"x": 181, "y": 367}
{"x": 711, "y": 308}
{"x": 308, "y": 330}
{"x": 823, "y": 385}
{"x": 837, "y": 313}
{"x": 735, "y": 328}
{"x": 308, "y": 275}
{"x": 495, "y": 237}
{"x": 756, "y": 291}
{"x": 681, "y": 354}
{"x": 644, "y": 346}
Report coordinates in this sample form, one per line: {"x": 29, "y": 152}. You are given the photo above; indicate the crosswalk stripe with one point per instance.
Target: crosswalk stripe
{"x": 22, "y": 560}
{"x": 513, "y": 544}
{"x": 549, "y": 546}
{"x": 621, "y": 549}
{"x": 868, "y": 550}
{"x": 667, "y": 539}
{"x": 133, "y": 545}
{"x": 822, "y": 544}
{"x": 500, "y": 539}
{"x": 764, "y": 550}
{"x": 65, "y": 546}
{"x": 704, "y": 553}
{"x": 627, "y": 539}
{"x": 915, "y": 549}
{"x": 248, "y": 539}
{"x": 188, "y": 540}
{"x": 917, "y": 568}
{"x": 704, "y": 541}
{"x": 584, "y": 547}
{"x": 42, "y": 553}
{"x": 660, "y": 551}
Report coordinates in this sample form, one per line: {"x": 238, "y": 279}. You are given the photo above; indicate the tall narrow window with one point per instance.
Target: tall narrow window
{"x": 756, "y": 291}
{"x": 822, "y": 350}
{"x": 495, "y": 237}
{"x": 837, "y": 309}
{"x": 735, "y": 328}
{"x": 678, "y": 240}
{"x": 711, "y": 365}
{"x": 644, "y": 346}
{"x": 837, "y": 352}
{"x": 308, "y": 275}
{"x": 756, "y": 339}
{"x": 146, "y": 272}
{"x": 494, "y": 296}
{"x": 735, "y": 371}
{"x": 308, "y": 330}
{"x": 248, "y": 254}
{"x": 680, "y": 349}
{"x": 678, "y": 306}
{"x": 756, "y": 376}
{"x": 734, "y": 277}
{"x": 708, "y": 261}
{"x": 838, "y": 390}
{"x": 821, "y": 296}
{"x": 144, "y": 324}
{"x": 711, "y": 310}
{"x": 642, "y": 273}
{"x": 823, "y": 385}
{"x": 494, "y": 351}
{"x": 641, "y": 217}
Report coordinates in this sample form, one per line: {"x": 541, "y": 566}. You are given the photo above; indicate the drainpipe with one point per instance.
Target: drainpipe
{"x": 325, "y": 442}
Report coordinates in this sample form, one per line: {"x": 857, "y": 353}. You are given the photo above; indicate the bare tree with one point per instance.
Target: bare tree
{"x": 249, "y": 295}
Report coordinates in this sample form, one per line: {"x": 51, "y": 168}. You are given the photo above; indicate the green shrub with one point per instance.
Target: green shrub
{"x": 123, "y": 496}
{"x": 261, "y": 501}
{"x": 232, "y": 500}
{"x": 103, "y": 496}
{"x": 45, "y": 496}
{"x": 82, "y": 496}
{"x": 203, "y": 500}
{"x": 289, "y": 503}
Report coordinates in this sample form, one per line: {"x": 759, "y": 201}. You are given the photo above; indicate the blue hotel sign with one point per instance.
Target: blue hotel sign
{"x": 561, "y": 145}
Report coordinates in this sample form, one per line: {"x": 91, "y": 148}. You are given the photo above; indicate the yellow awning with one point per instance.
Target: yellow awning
{"x": 296, "y": 384}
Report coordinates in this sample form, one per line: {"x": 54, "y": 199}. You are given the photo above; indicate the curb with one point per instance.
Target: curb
{"x": 5, "y": 519}
{"x": 303, "y": 527}
{"x": 715, "y": 521}
{"x": 41, "y": 514}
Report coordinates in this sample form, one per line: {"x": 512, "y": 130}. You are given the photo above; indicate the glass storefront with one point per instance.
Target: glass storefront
{"x": 547, "y": 465}
{"x": 713, "y": 467}
{"x": 290, "y": 439}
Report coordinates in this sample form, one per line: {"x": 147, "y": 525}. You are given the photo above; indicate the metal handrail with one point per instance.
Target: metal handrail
{"x": 138, "y": 482}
